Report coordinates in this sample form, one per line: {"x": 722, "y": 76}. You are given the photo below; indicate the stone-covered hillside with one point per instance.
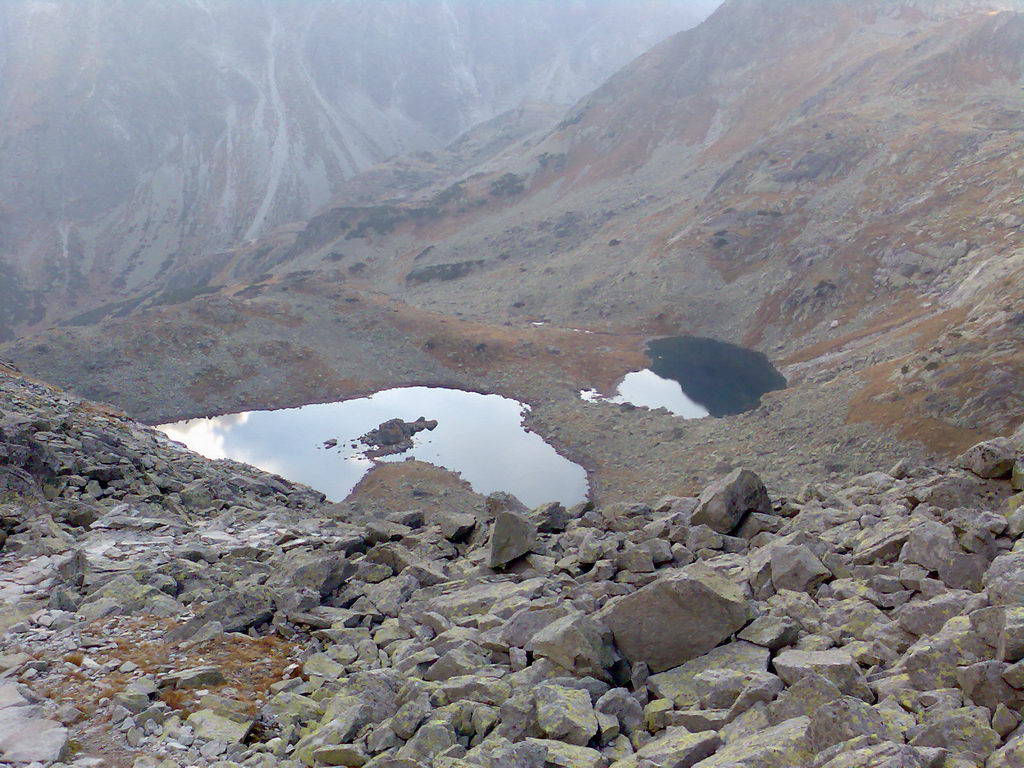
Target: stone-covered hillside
{"x": 159, "y": 609}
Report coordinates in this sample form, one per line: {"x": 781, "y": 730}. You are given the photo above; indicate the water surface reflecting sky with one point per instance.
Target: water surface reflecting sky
{"x": 479, "y": 436}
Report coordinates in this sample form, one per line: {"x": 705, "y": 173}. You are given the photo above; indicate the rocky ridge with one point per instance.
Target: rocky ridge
{"x": 142, "y": 140}
{"x": 160, "y": 609}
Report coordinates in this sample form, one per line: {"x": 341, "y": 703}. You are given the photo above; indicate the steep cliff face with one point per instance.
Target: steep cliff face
{"x": 137, "y": 136}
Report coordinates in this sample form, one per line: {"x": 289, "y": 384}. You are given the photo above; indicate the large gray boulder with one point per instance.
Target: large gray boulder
{"x": 676, "y": 618}
{"x": 511, "y": 538}
{"x": 723, "y": 504}
{"x": 576, "y": 643}
{"x": 1004, "y": 579}
{"x": 797, "y": 568}
{"x": 991, "y": 459}
{"x": 781, "y": 746}
{"x": 675, "y": 748}
{"x": 25, "y": 735}
{"x": 931, "y": 545}
{"x": 565, "y": 714}
{"x": 836, "y": 666}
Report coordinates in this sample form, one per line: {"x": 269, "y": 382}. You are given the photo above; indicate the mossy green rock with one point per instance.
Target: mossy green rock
{"x": 562, "y": 755}
{"x": 211, "y": 726}
{"x": 679, "y": 684}
{"x": 782, "y": 746}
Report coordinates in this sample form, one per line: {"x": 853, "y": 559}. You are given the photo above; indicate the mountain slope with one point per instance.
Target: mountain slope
{"x": 140, "y": 136}
{"x": 835, "y": 184}
{"x": 837, "y": 177}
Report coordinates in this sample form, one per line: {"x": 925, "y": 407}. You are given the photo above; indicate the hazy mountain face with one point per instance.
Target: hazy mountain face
{"x": 136, "y": 133}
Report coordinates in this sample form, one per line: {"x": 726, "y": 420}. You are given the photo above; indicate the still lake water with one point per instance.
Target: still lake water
{"x": 481, "y": 437}
{"x": 696, "y": 377}
{"x": 649, "y": 390}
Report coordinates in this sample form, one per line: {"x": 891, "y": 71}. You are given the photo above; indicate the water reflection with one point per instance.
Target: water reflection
{"x": 649, "y": 390}
{"x": 696, "y": 377}
{"x": 479, "y": 436}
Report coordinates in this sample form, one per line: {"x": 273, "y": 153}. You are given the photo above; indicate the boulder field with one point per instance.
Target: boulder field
{"x": 159, "y": 609}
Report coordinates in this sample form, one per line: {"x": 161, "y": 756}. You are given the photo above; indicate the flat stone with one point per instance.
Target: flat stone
{"x": 565, "y": 714}
{"x": 26, "y": 737}
{"x": 990, "y": 459}
{"x": 562, "y": 755}
{"x": 836, "y": 666}
{"x": 576, "y": 643}
{"x": 339, "y": 754}
{"x": 680, "y": 684}
{"x": 198, "y": 677}
{"x": 677, "y": 748}
{"x": 781, "y": 746}
{"x": 211, "y": 726}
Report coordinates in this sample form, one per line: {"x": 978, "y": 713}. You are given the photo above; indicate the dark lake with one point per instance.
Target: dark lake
{"x": 696, "y": 377}
{"x": 724, "y": 378}
{"x": 481, "y": 437}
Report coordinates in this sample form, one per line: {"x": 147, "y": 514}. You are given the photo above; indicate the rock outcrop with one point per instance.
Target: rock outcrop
{"x": 395, "y": 436}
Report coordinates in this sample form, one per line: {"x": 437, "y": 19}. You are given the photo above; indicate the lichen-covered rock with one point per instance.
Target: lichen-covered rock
{"x": 1009, "y": 756}
{"x": 797, "y": 568}
{"x": 681, "y": 684}
{"x": 991, "y": 459}
{"x": 930, "y": 545}
{"x": 576, "y": 643}
{"x": 836, "y": 666}
{"x": 676, "y": 618}
{"x": 886, "y": 755}
{"x": 217, "y": 726}
{"x": 624, "y": 707}
{"x": 964, "y": 732}
{"x": 845, "y": 718}
{"x": 565, "y": 714}
{"x": 676, "y": 748}
{"x": 781, "y": 746}
{"x": 558, "y": 754}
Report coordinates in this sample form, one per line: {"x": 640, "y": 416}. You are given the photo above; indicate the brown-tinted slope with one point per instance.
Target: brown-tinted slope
{"x": 837, "y": 184}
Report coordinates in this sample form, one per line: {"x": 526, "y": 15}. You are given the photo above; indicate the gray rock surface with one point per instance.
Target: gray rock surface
{"x": 837, "y": 635}
{"x": 677, "y": 617}
{"x": 511, "y": 537}
{"x": 723, "y": 504}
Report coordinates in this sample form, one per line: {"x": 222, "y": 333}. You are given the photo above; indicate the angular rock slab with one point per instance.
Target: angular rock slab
{"x": 680, "y": 683}
{"x": 991, "y": 459}
{"x": 26, "y": 736}
{"x": 677, "y": 748}
{"x": 782, "y": 746}
{"x": 565, "y": 714}
{"x": 512, "y": 537}
{"x": 575, "y": 643}
{"x": 838, "y": 667}
{"x": 723, "y": 504}
{"x": 676, "y": 618}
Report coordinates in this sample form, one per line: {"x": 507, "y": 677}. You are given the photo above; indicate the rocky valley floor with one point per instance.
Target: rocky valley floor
{"x": 159, "y": 609}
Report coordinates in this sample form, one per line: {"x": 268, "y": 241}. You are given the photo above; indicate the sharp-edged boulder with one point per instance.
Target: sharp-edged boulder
{"x": 676, "y": 618}
{"x": 511, "y": 538}
{"x": 723, "y": 504}
{"x": 992, "y": 459}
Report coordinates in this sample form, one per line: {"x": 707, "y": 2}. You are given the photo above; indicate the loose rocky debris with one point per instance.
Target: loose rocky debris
{"x": 165, "y": 610}
{"x": 395, "y": 436}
